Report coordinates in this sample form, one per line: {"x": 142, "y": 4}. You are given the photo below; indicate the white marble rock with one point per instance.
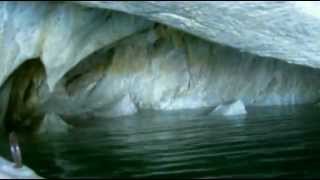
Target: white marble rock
{"x": 235, "y": 108}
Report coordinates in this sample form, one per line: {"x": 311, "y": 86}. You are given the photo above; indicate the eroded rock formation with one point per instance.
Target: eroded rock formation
{"x": 279, "y": 29}
{"x": 80, "y": 62}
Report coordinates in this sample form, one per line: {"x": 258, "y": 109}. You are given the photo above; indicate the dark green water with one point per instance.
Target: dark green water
{"x": 269, "y": 142}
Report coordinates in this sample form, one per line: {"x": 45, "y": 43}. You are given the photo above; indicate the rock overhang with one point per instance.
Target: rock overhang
{"x": 203, "y": 54}
{"x": 283, "y": 30}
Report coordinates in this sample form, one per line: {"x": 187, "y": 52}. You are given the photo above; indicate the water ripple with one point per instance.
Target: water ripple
{"x": 268, "y": 143}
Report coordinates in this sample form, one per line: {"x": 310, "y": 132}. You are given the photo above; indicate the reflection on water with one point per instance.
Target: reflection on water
{"x": 269, "y": 142}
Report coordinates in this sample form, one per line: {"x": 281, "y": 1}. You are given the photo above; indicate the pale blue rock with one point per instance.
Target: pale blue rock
{"x": 53, "y": 123}
{"x": 235, "y": 108}
{"x": 286, "y": 30}
{"x": 162, "y": 55}
{"x": 123, "y": 107}
{"x": 7, "y": 171}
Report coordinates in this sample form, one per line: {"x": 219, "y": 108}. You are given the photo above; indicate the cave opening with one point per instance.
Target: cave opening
{"x": 27, "y": 92}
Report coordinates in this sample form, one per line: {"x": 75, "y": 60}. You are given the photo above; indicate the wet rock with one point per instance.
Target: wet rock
{"x": 124, "y": 107}
{"x": 53, "y": 123}
{"x": 7, "y": 171}
{"x": 230, "y": 109}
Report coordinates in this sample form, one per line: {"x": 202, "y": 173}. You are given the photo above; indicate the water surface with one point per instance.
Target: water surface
{"x": 268, "y": 142}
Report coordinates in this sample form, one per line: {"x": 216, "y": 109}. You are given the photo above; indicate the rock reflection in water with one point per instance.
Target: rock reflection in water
{"x": 269, "y": 142}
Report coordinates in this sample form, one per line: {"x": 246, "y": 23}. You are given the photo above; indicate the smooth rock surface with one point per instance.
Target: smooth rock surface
{"x": 123, "y": 107}
{"x": 230, "y": 109}
{"x": 61, "y": 34}
{"x": 95, "y": 58}
{"x": 283, "y": 30}
{"x": 163, "y": 69}
{"x": 7, "y": 171}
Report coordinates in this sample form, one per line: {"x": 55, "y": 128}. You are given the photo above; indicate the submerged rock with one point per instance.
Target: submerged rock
{"x": 230, "y": 109}
{"x": 52, "y": 123}
{"x": 124, "y": 107}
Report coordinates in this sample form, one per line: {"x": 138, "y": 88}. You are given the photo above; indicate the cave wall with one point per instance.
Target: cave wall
{"x": 4, "y": 101}
{"x": 165, "y": 69}
{"x": 284, "y": 30}
{"x": 28, "y": 91}
{"x": 96, "y": 62}
{"x": 60, "y": 34}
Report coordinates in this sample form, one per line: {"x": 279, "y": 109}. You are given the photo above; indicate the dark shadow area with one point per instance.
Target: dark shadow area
{"x": 28, "y": 85}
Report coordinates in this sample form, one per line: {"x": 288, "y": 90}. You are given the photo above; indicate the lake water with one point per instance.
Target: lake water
{"x": 268, "y": 142}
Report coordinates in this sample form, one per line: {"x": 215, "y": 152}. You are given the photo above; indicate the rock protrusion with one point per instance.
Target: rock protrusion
{"x": 230, "y": 109}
